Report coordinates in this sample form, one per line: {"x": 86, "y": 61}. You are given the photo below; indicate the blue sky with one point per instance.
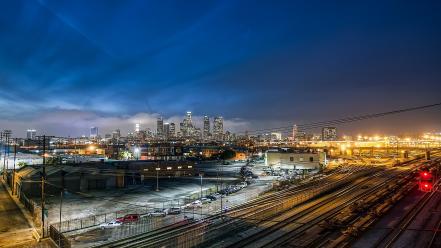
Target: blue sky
{"x": 66, "y": 65}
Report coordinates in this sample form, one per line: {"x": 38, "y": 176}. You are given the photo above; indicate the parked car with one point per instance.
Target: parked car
{"x": 196, "y": 204}
{"x": 175, "y": 210}
{"x": 110, "y": 224}
{"x": 128, "y": 218}
{"x": 205, "y": 200}
{"x": 212, "y": 197}
{"x": 158, "y": 213}
{"x": 225, "y": 209}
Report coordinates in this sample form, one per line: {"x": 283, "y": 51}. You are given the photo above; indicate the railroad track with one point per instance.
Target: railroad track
{"x": 297, "y": 231}
{"x": 394, "y": 234}
{"x": 293, "y": 232}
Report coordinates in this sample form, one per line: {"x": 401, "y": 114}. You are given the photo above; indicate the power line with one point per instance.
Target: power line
{"x": 340, "y": 121}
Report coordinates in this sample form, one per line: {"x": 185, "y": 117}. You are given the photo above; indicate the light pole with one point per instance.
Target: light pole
{"x": 200, "y": 174}
{"x": 157, "y": 178}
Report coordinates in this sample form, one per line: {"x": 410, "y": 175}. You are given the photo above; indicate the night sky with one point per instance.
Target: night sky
{"x": 69, "y": 65}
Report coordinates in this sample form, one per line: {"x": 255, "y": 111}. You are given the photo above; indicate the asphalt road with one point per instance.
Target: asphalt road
{"x": 14, "y": 228}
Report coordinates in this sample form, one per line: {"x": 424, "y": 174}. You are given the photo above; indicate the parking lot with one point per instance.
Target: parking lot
{"x": 195, "y": 210}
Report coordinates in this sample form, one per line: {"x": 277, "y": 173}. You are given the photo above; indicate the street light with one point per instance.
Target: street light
{"x": 157, "y": 178}
{"x": 201, "y": 174}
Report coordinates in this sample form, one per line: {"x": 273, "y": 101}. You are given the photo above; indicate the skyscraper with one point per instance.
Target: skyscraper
{"x": 93, "y": 132}
{"x": 31, "y": 134}
{"x": 172, "y": 130}
{"x": 159, "y": 127}
{"x": 329, "y": 134}
{"x": 187, "y": 129}
{"x": 166, "y": 129}
{"x": 218, "y": 128}
{"x": 294, "y": 132}
{"x": 116, "y": 134}
{"x": 206, "y": 132}
{"x": 137, "y": 127}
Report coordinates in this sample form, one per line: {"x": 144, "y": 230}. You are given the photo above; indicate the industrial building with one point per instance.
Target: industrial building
{"x": 295, "y": 159}
{"x": 96, "y": 175}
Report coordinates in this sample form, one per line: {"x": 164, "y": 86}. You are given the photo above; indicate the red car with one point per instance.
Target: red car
{"x": 128, "y": 218}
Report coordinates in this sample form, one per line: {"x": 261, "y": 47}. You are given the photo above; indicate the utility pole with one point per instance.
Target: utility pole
{"x": 61, "y": 203}
{"x": 6, "y": 134}
{"x": 43, "y": 181}
{"x": 1, "y": 143}
{"x": 221, "y": 195}
{"x": 13, "y": 174}
{"x": 43, "y": 177}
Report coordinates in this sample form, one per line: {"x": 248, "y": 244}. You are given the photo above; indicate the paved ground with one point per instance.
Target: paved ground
{"x": 14, "y": 228}
{"x": 173, "y": 191}
{"x": 93, "y": 236}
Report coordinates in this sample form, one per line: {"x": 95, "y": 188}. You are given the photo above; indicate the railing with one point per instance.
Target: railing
{"x": 58, "y": 238}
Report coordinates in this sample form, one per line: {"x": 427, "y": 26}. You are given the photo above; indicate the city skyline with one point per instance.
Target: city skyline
{"x": 147, "y": 122}
{"x": 76, "y": 73}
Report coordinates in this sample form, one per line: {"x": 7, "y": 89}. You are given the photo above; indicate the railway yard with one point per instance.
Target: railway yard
{"x": 353, "y": 206}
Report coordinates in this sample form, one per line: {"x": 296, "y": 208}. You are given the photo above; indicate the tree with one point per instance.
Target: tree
{"x": 21, "y": 164}
{"x": 228, "y": 154}
{"x": 125, "y": 155}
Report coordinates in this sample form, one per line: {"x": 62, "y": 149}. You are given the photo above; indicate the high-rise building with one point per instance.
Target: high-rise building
{"x": 187, "y": 127}
{"x": 31, "y": 134}
{"x": 159, "y": 127}
{"x": 218, "y": 128}
{"x": 172, "y": 130}
{"x": 116, "y": 134}
{"x": 329, "y": 133}
{"x": 166, "y": 130}
{"x": 182, "y": 130}
{"x": 93, "y": 132}
{"x": 276, "y": 136}
{"x": 294, "y": 132}
{"x": 206, "y": 132}
{"x": 137, "y": 127}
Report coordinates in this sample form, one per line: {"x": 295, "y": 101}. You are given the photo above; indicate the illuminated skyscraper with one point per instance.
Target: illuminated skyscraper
{"x": 187, "y": 126}
{"x": 218, "y": 128}
{"x": 294, "y": 132}
{"x": 166, "y": 129}
{"x": 159, "y": 127}
{"x": 137, "y": 127}
{"x": 172, "y": 130}
{"x": 93, "y": 132}
{"x": 116, "y": 134}
{"x": 31, "y": 134}
{"x": 206, "y": 132}
{"x": 329, "y": 134}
